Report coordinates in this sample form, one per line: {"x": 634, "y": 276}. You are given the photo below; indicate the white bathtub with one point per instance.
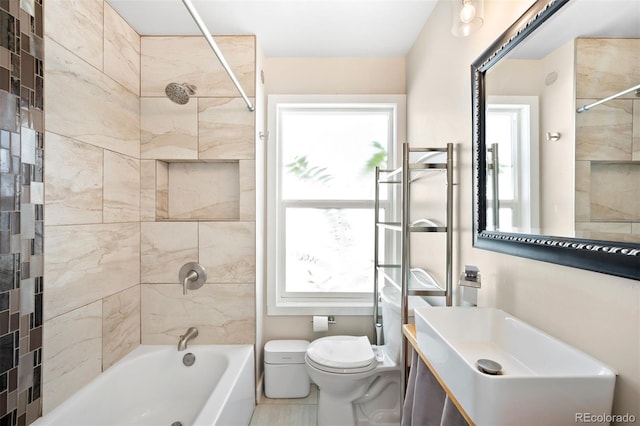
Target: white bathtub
{"x": 151, "y": 386}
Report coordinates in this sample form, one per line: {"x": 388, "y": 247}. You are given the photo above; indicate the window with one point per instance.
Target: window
{"x": 321, "y": 159}
{"x": 512, "y": 123}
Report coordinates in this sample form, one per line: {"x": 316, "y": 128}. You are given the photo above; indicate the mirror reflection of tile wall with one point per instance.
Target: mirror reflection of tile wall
{"x": 608, "y": 140}
{"x": 21, "y": 210}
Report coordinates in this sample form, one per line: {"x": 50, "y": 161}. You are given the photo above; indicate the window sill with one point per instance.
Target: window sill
{"x": 283, "y": 308}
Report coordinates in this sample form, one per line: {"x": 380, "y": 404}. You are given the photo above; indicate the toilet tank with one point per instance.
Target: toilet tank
{"x": 391, "y": 318}
{"x": 391, "y": 328}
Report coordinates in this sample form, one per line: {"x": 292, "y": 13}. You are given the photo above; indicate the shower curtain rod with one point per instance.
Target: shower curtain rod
{"x": 207, "y": 35}
{"x": 601, "y": 101}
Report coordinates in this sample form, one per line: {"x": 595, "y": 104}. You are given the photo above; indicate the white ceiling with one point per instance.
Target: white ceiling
{"x": 582, "y": 18}
{"x": 292, "y": 28}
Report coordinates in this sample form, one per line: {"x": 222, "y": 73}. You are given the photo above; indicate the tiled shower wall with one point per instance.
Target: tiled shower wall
{"x": 198, "y": 191}
{"x": 608, "y": 140}
{"x": 21, "y": 210}
{"x": 111, "y": 218}
{"x": 92, "y": 194}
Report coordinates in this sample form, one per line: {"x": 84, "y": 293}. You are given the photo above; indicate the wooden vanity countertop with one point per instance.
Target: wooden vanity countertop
{"x": 409, "y": 331}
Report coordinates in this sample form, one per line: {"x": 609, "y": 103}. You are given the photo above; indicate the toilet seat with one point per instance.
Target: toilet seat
{"x": 326, "y": 369}
{"x": 341, "y": 354}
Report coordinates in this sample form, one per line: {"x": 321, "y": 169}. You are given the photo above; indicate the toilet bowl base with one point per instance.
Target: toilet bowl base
{"x": 334, "y": 411}
{"x": 373, "y": 402}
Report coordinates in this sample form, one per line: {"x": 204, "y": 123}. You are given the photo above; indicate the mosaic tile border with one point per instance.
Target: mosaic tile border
{"x": 21, "y": 209}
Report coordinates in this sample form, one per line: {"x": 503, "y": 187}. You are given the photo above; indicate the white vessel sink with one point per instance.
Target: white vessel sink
{"x": 543, "y": 381}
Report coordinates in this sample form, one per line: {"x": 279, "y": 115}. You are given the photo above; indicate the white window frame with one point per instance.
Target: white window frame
{"x": 279, "y": 303}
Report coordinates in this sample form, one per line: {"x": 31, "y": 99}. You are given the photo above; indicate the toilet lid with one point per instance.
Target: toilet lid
{"x": 343, "y": 352}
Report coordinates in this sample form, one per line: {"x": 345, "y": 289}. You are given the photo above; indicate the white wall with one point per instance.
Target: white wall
{"x": 319, "y": 76}
{"x": 557, "y": 106}
{"x": 597, "y": 313}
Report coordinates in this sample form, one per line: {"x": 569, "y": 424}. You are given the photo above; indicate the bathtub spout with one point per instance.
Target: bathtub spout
{"x": 191, "y": 333}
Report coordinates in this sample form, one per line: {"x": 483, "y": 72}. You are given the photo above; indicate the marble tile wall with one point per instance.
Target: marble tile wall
{"x": 116, "y": 128}
{"x": 88, "y": 263}
{"x": 198, "y": 191}
{"x": 174, "y": 138}
{"x": 148, "y": 189}
{"x": 607, "y": 140}
{"x": 222, "y": 313}
{"x": 121, "y": 188}
{"x": 71, "y": 363}
{"x": 74, "y": 191}
{"x": 223, "y": 310}
{"x": 115, "y": 143}
{"x": 215, "y": 123}
{"x": 21, "y": 211}
{"x": 190, "y": 59}
{"x": 166, "y": 246}
{"x": 92, "y": 194}
{"x": 120, "y": 321}
{"x": 225, "y": 129}
{"x": 227, "y": 249}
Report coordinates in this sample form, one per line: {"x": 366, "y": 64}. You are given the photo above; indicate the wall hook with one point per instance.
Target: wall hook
{"x": 553, "y": 136}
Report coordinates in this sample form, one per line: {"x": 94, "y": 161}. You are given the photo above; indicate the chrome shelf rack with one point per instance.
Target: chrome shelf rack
{"x": 412, "y": 281}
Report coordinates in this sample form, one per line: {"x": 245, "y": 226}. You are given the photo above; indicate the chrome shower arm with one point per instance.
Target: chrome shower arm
{"x": 207, "y": 35}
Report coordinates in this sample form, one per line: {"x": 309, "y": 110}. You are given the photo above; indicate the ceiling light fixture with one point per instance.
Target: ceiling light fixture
{"x": 468, "y": 12}
{"x": 466, "y": 17}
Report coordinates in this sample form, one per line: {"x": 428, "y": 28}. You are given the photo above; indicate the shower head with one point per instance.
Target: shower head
{"x": 179, "y": 93}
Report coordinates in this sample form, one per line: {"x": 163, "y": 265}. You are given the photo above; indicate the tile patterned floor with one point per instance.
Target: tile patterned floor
{"x": 287, "y": 412}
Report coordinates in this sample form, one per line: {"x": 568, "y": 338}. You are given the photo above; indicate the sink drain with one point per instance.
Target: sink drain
{"x": 488, "y": 366}
{"x": 176, "y": 424}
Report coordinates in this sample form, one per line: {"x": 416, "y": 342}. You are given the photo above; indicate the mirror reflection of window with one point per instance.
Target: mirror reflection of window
{"x": 502, "y": 129}
{"x": 512, "y": 124}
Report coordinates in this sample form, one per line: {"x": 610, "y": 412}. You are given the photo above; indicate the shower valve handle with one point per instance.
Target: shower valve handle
{"x": 192, "y": 276}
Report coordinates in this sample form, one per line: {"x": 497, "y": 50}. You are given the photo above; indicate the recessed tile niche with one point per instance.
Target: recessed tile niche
{"x": 197, "y": 190}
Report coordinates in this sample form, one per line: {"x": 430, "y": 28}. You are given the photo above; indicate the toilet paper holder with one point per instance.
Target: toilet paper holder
{"x": 330, "y": 319}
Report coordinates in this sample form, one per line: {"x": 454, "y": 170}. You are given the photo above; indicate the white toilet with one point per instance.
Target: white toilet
{"x": 359, "y": 383}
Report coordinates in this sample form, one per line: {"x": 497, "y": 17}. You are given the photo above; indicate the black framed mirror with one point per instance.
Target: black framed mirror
{"x": 519, "y": 205}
